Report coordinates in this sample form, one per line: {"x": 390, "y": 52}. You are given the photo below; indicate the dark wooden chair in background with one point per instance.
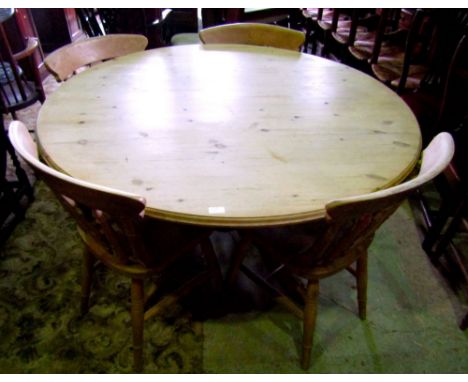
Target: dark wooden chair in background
{"x": 363, "y": 22}
{"x": 448, "y": 110}
{"x": 405, "y": 59}
{"x": 376, "y": 30}
{"x": 313, "y": 33}
{"x": 116, "y": 232}
{"x": 20, "y": 82}
{"x": 16, "y": 192}
{"x": 328, "y": 21}
{"x": 65, "y": 61}
{"x": 318, "y": 250}
{"x": 20, "y": 87}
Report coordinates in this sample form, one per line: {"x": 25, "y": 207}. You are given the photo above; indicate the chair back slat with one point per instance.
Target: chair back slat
{"x": 253, "y": 34}
{"x": 64, "y": 62}
{"x": 352, "y": 222}
{"x": 110, "y": 219}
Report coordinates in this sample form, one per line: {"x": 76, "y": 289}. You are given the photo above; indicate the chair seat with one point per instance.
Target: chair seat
{"x": 310, "y": 13}
{"x": 390, "y": 73}
{"x": 364, "y": 46}
{"x": 292, "y": 242}
{"x": 185, "y": 39}
{"x": 168, "y": 240}
{"x": 294, "y": 238}
{"x": 362, "y": 49}
{"x": 342, "y": 33}
{"x": 6, "y": 74}
{"x": 326, "y": 24}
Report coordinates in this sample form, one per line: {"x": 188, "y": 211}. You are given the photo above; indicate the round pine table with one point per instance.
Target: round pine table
{"x": 230, "y": 135}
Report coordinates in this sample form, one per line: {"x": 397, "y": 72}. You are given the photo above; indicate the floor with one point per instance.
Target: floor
{"x": 412, "y": 324}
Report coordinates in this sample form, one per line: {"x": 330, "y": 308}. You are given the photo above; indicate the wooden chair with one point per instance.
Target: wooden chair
{"x": 15, "y": 187}
{"x": 113, "y": 226}
{"x": 403, "y": 64}
{"x": 439, "y": 102}
{"x": 253, "y": 34}
{"x": 63, "y": 62}
{"x": 17, "y": 89}
{"x": 450, "y": 217}
{"x": 315, "y": 251}
{"x": 314, "y": 33}
{"x": 367, "y": 45}
{"x": 328, "y": 21}
{"x": 363, "y": 21}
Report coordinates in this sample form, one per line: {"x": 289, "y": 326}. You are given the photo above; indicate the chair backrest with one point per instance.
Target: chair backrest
{"x": 63, "y": 62}
{"x": 417, "y": 47}
{"x": 253, "y": 34}
{"x": 18, "y": 88}
{"x": 352, "y": 222}
{"x": 109, "y": 220}
{"x": 453, "y": 104}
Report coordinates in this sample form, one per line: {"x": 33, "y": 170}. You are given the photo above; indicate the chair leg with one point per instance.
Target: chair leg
{"x": 86, "y": 280}
{"x": 464, "y": 323}
{"x": 137, "y": 312}
{"x": 310, "y": 315}
{"x": 326, "y": 44}
{"x": 434, "y": 231}
{"x": 238, "y": 257}
{"x": 446, "y": 237}
{"x": 212, "y": 264}
{"x": 361, "y": 279}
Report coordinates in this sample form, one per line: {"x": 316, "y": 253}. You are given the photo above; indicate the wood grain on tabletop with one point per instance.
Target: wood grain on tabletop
{"x": 230, "y": 135}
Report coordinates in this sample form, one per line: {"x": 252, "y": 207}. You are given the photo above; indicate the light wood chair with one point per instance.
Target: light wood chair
{"x": 318, "y": 250}
{"x": 253, "y": 34}
{"x": 113, "y": 227}
{"x": 65, "y": 61}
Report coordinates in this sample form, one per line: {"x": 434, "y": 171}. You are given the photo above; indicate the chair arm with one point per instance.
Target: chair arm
{"x": 31, "y": 45}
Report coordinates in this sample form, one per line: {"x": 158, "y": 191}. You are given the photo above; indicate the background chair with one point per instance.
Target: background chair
{"x": 63, "y": 62}
{"x": 444, "y": 106}
{"x": 19, "y": 88}
{"x": 254, "y": 34}
{"x": 403, "y": 63}
{"x": 452, "y": 183}
{"x": 315, "y": 251}
{"x": 15, "y": 187}
{"x": 328, "y": 21}
{"x": 310, "y": 20}
{"x": 382, "y": 31}
{"x": 113, "y": 226}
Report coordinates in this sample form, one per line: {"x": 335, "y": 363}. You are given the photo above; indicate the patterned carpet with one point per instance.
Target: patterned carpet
{"x": 41, "y": 330}
{"x": 40, "y": 325}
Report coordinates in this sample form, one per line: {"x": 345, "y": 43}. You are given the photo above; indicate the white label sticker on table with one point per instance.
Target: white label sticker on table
{"x": 216, "y": 210}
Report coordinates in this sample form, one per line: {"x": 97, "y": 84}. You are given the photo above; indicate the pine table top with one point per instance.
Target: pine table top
{"x": 230, "y": 135}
